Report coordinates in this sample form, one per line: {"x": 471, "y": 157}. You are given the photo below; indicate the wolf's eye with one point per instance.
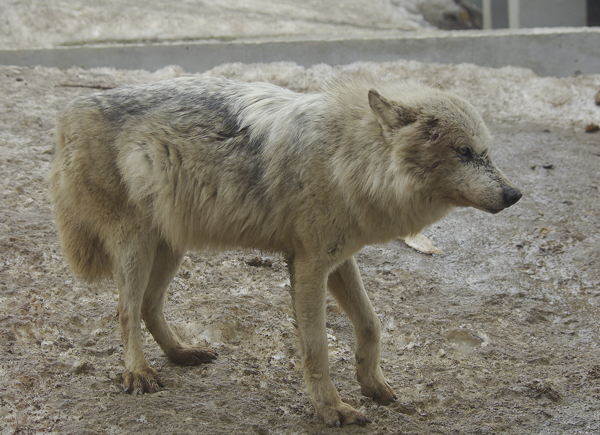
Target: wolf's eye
{"x": 465, "y": 151}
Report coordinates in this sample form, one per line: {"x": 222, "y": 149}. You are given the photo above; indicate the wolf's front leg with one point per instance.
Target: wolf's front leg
{"x": 347, "y": 287}
{"x": 309, "y": 292}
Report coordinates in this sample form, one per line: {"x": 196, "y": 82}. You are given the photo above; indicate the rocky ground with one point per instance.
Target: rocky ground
{"x": 51, "y": 23}
{"x": 497, "y": 335}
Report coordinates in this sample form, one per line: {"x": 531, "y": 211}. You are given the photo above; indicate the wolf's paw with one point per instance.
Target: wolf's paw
{"x": 377, "y": 388}
{"x": 342, "y": 414}
{"x": 192, "y": 356}
{"x": 144, "y": 381}
{"x": 383, "y": 394}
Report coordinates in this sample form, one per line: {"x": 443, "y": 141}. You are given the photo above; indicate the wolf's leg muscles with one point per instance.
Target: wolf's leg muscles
{"x": 308, "y": 292}
{"x": 132, "y": 269}
{"x": 165, "y": 267}
{"x": 346, "y": 285}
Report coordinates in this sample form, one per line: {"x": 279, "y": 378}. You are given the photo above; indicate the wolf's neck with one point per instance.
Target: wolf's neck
{"x": 388, "y": 199}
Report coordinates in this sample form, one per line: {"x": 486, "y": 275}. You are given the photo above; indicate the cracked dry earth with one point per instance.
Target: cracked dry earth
{"x": 497, "y": 335}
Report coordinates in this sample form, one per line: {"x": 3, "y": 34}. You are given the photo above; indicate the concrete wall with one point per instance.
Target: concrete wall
{"x": 548, "y": 52}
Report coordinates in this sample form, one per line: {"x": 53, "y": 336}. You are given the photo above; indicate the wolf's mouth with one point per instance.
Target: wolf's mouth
{"x": 466, "y": 202}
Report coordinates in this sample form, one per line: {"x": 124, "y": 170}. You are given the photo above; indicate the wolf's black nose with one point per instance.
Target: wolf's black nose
{"x": 511, "y": 195}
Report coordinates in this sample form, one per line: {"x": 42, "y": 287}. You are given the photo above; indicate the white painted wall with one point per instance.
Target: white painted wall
{"x": 553, "y": 13}
{"x": 533, "y": 13}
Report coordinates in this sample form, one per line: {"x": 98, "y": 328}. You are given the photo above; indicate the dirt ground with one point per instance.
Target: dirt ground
{"x": 497, "y": 335}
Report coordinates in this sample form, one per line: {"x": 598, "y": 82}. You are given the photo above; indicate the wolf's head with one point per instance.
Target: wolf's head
{"x": 442, "y": 141}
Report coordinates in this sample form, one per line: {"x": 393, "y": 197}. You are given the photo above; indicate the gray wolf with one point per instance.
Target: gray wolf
{"x": 143, "y": 173}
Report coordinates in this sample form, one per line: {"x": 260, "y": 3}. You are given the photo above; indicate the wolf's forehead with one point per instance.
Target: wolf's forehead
{"x": 465, "y": 119}
{"x": 480, "y": 138}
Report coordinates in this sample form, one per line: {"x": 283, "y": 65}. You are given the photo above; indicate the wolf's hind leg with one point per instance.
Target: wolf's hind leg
{"x": 346, "y": 285}
{"x": 133, "y": 262}
{"x": 165, "y": 267}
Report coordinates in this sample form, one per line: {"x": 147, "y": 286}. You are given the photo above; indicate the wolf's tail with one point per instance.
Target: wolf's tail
{"x": 83, "y": 247}
{"x": 84, "y": 251}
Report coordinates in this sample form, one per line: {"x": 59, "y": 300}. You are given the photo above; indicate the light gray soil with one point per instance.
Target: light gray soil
{"x": 498, "y": 335}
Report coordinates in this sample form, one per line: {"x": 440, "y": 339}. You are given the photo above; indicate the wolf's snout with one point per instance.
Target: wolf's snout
{"x": 511, "y": 195}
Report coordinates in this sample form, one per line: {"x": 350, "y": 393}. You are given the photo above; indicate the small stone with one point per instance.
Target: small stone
{"x": 83, "y": 367}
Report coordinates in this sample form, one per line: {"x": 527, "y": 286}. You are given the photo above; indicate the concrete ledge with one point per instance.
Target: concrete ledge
{"x": 548, "y": 52}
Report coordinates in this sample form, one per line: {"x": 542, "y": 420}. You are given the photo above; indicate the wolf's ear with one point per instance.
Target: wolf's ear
{"x": 389, "y": 114}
